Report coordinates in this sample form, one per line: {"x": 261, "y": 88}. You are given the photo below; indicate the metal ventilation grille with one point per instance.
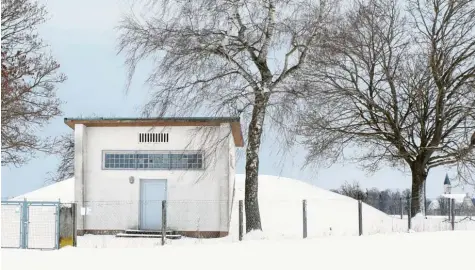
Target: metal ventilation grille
{"x": 153, "y": 137}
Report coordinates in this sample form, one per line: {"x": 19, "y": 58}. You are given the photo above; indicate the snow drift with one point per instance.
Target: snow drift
{"x": 280, "y": 203}
{"x": 328, "y": 213}
{"x": 63, "y": 191}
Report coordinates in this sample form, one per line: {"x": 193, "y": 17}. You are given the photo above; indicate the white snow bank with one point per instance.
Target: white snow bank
{"x": 63, "y": 191}
{"x": 388, "y": 252}
{"x": 280, "y": 203}
{"x": 328, "y": 213}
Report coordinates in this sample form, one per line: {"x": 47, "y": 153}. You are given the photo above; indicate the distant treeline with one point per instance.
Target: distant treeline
{"x": 393, "y": 202}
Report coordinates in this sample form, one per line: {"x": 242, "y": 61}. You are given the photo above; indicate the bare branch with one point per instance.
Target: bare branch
{"x": 29, "y": 79}
{"x": 224, "y": 57}
{"x": 398, "y": 89}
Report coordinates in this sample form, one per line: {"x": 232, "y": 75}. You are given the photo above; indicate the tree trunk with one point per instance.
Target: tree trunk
{"x": 423, "y": 198}
{"x": 419, "y": 176}
{"x": 253, "y": 217}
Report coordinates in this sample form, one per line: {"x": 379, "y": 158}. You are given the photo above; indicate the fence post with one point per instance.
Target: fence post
{"x": 449, "y": 208}
{"x": 24, "y": 224}
{"x": 73, "y": 214}
{"x": 402, "y": 207}
{"x": 164, "y": 221}
{"x": 304, "y": 212}
{"x": 360, "y": 217}
{"x": 22, "y": 220}
{"x": 58, "y": 224}
{"x": 409, "y": 213}
{"x": 241, "y": 220}
{"x": 452, "y": 210}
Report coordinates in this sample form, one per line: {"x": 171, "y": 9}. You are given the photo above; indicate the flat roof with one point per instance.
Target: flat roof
{"x": 161, "y": 121}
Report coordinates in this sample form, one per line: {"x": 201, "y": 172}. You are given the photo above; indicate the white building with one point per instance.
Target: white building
{"x": 125, "y": 168}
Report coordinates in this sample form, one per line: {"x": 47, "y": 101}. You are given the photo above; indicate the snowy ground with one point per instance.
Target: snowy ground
{"x": 385, "y": 245}
{"x": 328, "y": 213}
{"x": 431, "y": 224}
{"x": 280, "y": 201}
{"x": 397, "y": 251}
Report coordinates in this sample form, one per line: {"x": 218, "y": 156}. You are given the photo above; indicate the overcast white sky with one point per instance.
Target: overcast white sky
{"x": 83, "y": 40}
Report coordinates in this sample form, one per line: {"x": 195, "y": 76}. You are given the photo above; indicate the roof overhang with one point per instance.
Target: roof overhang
{"x": 163, "y": 121}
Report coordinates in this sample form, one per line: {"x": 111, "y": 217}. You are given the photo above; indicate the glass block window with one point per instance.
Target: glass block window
{"x": 186, "y": 161}
{"x": 119, "y": 161}
{"x": 144, "y": 160}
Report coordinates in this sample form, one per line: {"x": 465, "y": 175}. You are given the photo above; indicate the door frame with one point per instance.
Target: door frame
{"x": 141, "y": 183}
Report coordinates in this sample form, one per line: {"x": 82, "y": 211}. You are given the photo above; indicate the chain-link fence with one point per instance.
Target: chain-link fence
{"x": 189, "y": 218}
{"x": 135, "y": 223}
{"x": 342, "y": 216}
{"x": 280, "y": 219}
{"x": 152, "y": 223}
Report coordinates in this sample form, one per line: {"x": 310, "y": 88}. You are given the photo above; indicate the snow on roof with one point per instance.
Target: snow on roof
{"x": 458, "y": 197}
{"x": 63, "y": 191}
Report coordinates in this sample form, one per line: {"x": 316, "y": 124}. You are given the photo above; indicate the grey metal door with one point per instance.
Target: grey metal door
{"x": 152, "y": 193}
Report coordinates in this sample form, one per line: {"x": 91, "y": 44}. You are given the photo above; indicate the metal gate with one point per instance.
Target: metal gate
{"x": 33, "y": 225}
{"x": 12, "y": 213}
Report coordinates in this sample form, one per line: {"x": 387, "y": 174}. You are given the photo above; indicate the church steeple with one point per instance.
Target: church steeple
{"x": 447, "y": 185}
{"x": 446, "y": 181}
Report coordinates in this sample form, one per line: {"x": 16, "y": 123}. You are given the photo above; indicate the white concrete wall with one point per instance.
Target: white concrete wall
{"x": 231, "y": 177}
{"x": 80, "y": 151}
{"x": 197, "y": 199}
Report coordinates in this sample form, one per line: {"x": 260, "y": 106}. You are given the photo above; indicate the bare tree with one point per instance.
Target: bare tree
{"x": 65, "y": 169}
{"x": 226, "y": 57}
{"x": 29, "y": 78}
{"x": 352, "y": 190}
{"x": 398, "y": 89}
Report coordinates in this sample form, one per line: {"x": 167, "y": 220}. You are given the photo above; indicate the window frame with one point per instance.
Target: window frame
{"x": 151, "y": 152}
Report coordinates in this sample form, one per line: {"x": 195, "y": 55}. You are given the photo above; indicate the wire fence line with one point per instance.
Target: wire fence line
{"x": 344, "y": 216}
{"x": 173, "y": 221}
{"x": 189, "y": 217}
{"x": 281, "y": 218}
{"x": 434, "y": 206}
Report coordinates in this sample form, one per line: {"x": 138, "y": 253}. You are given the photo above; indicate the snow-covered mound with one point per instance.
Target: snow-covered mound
{"x": 328, "y": 213}
{"x": 280, "y": 203}
{"x": 281, "y": 188}
{"x": 63, "y": 191}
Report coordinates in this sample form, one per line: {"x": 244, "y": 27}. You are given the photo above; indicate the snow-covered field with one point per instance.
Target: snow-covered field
{"x": 385, "y": 245}
{"x": 440, "y": 250}
{"x": 280, "y": 200}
